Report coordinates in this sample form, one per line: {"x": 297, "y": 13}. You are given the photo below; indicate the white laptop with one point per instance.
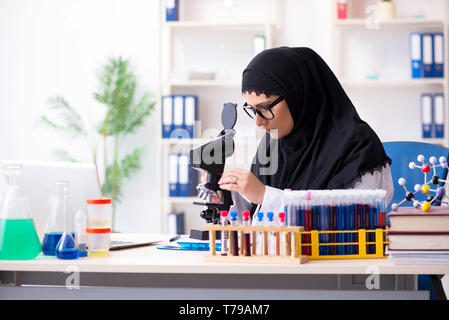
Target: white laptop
{"x": 39, "y": 181}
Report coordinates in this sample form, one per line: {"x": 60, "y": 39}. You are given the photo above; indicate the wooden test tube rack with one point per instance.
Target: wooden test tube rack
{"x": 287, "y": 255}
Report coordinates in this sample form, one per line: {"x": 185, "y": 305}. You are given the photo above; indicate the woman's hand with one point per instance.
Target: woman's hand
{"x": 244, "y": 182}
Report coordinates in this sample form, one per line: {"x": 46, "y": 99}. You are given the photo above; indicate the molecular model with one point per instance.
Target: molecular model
{"x": 425, "y": 188}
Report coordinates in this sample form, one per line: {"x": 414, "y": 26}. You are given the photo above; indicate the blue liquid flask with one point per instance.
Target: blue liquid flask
{"x": 66, "y": 248}
{"x": 49, "y": 243}
{"x": 55, "y": 223}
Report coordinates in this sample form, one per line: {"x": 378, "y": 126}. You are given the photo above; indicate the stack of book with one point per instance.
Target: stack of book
{"x": 417, "y": 237}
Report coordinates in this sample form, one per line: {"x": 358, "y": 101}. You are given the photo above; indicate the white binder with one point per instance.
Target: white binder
{"x": 427, "y": 54}
{"x": 190, "y": 114}
{"x": 183, "y": 178}
{"x": 173, "y": 175}
{"x": 415, "y": 54}
{"x": 178, "y": 117}
{"x": 438, "y": 55}
{"x": 438, "y": 105}
{"x": 426, "y": 115}
{"x": 167, "y": 116}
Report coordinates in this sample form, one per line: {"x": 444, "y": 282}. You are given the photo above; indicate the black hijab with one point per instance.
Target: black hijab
{"x": 330, "y": 147}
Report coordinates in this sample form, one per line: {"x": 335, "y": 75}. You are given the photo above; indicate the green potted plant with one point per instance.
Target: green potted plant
{"x": 124, "y": 114}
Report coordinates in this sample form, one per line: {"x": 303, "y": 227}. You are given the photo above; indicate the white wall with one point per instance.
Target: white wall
{"x": 50, "y": 47}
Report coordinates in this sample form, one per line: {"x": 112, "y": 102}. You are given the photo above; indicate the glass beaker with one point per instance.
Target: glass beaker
{"x": 55, "y": 222}
{"x": 66, "y": 247}
{"x": 18, "y": 236}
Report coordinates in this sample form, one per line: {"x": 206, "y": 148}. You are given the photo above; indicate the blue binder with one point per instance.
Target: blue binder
{"x": 183, "y": 165}
{"x": 438, "y": 114}
{"x": 167, "y": 116}
{"x": 190, "y": 108}
{"x": 171, "y": 10}
{"x": 175, "y": 223}
{"x": 416, "y": 54}
{"x": 187, "y": 177}
{"x": 179, "y": 130}
{"x": 173, "y": 175}
{"x": 438, "y": 55}
{"x": 427, "y": 55}
{"x": 426, "y": 115}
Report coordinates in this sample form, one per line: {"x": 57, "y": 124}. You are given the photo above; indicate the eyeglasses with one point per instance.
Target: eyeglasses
{"x": 263, "y": 111}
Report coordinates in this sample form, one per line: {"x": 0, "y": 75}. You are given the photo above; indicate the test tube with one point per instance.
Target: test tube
{"x": 80, "y": 233}
{"x": 308, "y": 222}
{"x": 259, "y": 237}
{"x": 282, "y": 239}
{"x": 234, "y": 234}
{"x": 271, "y": 234}
{"x": 290, "y": 215}
{"x": 246, "y": 233}
{"x": 224, "y": 233}
{"x": 381, "y": 198}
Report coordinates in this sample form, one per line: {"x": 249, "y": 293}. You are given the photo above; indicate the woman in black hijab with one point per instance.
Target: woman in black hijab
{"x": 315, "y": 139}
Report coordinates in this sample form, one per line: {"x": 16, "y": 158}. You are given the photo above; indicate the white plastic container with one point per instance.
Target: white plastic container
{"x": 387, "y": 10}
{"x": 98, "y": 241}
{"x": 99, "y": 213}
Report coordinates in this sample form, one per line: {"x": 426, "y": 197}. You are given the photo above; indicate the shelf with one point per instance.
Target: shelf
{"x": 439, "y": 141}
{"x": 181, "y": 200}
{"x": 204, "y": 83}
{"x": 215, "y": 25}
{"x": 391, "y": 23}
{"x": 394, "y": 83}
{"x": 198, "y": 141}
{"x": 172, "y": 80}
{"x": 183, "y": 142}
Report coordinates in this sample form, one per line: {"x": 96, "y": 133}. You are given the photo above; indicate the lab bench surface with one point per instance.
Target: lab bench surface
{"x": 149, "y": 259}
{"x": 151, "y": 273}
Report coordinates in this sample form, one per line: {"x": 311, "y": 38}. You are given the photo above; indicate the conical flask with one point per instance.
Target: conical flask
{"x": 66, "y": 248}
{"x": 18, "y": 236}
{"x": 55, "y": 223}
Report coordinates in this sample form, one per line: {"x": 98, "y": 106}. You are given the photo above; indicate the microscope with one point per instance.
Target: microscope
{"x": 210, "y": 158}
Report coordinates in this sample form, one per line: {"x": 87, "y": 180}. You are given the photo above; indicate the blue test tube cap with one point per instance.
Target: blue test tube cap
{"x": 82, "y": 253}
{"x": 260, "y": 215}
{"x": 233, "y": 215}
{"x": 270, "y": 215}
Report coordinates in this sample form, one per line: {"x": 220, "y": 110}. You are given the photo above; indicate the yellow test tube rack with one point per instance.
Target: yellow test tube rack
{"x": 362, "y": 243}
{"x": 291, "y": 240}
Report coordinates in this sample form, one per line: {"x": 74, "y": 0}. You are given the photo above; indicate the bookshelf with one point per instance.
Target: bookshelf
{"x": 208, "y": 36}
{"x": 217, "y": 25}
{"x": 410, "y": 83}
{"x": 390, "y": 103}
{"x": 203, "y": 83}
{"x": 392, "y": 23}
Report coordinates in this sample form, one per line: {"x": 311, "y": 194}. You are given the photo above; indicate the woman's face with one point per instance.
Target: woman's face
{"x": 282, "y": 123}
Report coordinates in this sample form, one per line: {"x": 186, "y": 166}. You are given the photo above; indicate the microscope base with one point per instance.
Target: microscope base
{"x": 203, "y": 234}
